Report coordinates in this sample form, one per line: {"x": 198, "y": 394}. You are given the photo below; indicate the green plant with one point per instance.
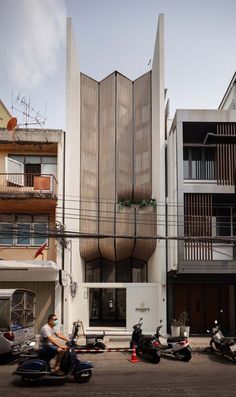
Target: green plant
{"x": 184, "y": 319}
{"x": 140, "y": 203}
{"x": 175, "y": 323}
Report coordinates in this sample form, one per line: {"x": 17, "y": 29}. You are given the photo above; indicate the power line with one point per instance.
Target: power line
{"x": 73, "y": 234}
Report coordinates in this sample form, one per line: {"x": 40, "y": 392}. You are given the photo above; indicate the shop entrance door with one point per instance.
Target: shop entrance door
{"x": 204, "y": 304}
{"x": 107, "y": 307}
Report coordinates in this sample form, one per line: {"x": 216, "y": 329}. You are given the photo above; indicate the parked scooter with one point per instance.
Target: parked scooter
{"x": 146, "y": 345}
{"x": 220, "y": 344}
{"x": 176, "y": 347}
{"x": 38, "y": 367}
{"x": 93, "y": 342}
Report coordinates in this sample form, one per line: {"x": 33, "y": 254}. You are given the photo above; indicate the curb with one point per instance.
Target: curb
{"x": 203, "y": 349}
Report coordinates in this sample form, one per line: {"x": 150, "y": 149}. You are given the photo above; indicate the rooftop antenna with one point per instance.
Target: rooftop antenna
{"x": 29, "y": 116}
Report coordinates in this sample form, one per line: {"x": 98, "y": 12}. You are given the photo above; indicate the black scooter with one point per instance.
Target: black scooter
{"x": 176, "y": 347}
{"x": 220, "y": 344}
{"x": 146, "y": 345}
{"x": 93, "y": 342}
{"x": 38, "y": 366}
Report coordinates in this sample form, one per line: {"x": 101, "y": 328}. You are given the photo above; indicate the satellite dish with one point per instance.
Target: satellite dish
{"x": 11, "y": 124}
{"x": 40, "y": 250}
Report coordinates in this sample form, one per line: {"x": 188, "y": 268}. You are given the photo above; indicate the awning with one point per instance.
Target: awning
{"x": 28, "y": 270}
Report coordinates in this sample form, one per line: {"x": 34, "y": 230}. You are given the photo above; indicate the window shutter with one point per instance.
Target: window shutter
{"x": 15, "y": 172}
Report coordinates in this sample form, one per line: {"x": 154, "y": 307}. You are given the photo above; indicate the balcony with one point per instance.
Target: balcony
{"x": 27, "y": 185}
{"x": 208, "y": 258}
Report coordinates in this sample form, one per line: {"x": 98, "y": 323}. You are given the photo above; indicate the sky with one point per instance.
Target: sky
{"x": 200, "y": 56}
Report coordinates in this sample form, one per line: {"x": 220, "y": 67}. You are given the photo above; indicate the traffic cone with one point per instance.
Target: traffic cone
{"x": 134, "y": 358}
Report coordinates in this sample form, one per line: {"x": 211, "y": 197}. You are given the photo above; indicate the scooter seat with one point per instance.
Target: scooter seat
{"x": 91, "y": 336}
{"x": 175, "y": 339}
{"x": 148, "y": 336}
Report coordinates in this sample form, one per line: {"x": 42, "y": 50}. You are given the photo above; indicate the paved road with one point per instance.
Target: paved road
{"x": 114, "y": 375}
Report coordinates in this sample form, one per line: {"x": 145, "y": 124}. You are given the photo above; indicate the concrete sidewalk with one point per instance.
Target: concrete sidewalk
{"x": 197, "y": 343}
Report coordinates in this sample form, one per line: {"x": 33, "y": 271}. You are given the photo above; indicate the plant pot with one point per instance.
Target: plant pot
{"x": 175, "y": 330}
{"x": 184, "y": 329}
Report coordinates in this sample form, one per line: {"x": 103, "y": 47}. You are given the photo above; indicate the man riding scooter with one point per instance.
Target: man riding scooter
{"x": 49, "y": 344}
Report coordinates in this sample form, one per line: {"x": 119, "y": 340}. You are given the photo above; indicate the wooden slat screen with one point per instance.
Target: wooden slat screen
{"x": 226, "y": 155}
{"x": 197, "y": 223}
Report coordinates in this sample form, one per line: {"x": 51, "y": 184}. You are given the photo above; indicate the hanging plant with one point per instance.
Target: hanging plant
{"x": 140, "y": 203}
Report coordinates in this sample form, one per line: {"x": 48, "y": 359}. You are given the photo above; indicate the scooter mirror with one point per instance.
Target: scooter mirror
{"x": 221, "y": 311}
{"x": 208, "y": 331}
{"x": 216, "y": 322}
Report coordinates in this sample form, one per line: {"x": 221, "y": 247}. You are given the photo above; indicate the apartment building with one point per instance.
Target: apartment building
{"x": 201, "y": 214}
{"x": 29, "y": 196}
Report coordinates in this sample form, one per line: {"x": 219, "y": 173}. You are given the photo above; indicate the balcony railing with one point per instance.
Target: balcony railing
{"x": 15, "y": 183}
{"x": 199, "y": 251}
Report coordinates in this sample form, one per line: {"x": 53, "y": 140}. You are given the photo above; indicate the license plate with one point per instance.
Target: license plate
{"x": 233, "y": 348}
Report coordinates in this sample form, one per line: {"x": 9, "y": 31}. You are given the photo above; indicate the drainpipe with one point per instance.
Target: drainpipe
{"x": 63, "y": 222}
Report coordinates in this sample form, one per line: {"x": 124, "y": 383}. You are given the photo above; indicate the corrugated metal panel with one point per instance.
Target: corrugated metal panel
{"x": 107, "y": 179}
{"x": 142, "y": 138}
{"x": 124, "y": 166}
{"x": 89, "y": 167}
{"x": 146, "y": 225}
{"x": 125, "y": 225}
{"x": 124, "y": 139}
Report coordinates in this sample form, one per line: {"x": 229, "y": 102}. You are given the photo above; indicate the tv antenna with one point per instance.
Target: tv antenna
{"x": 28, "y": 115}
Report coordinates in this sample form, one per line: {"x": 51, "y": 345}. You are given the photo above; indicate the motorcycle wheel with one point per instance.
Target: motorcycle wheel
{"x": 213, "y": 346}
{"x": 233, "y": 358}
{"x": 184, "y": 355}
{"x": 155, "y": 357}
{"x": 100, "y": 345}
{"x": 25, "y": 380}
{"x": 28, "y": 381}
{"x": 81, "y": 378}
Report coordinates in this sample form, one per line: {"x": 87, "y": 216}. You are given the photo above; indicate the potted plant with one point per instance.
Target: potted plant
{"x": 184, "y": 323}
{"x": 175, "y": 327}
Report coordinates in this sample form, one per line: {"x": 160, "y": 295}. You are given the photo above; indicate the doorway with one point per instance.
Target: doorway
{"x": 107, "y": 307}
{"x": 31, "y": 170}
{"x": 205, "y": 303}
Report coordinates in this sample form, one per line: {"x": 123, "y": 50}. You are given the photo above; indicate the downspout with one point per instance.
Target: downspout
{"x": 63, "y": 222}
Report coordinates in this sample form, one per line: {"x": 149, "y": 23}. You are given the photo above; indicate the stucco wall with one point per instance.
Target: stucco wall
{"x": 138, "y": 296}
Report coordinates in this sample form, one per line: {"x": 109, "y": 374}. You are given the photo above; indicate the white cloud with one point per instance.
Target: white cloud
{"x": 32, "y": 33}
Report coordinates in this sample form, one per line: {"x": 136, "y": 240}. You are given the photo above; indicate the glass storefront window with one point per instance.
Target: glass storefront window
{"x": 108, "y": 272}
{"x": 124, "y": 272}
{"x": 93, "y": 274}
{"x": 105, "y": 271}
{"x": 139, "y": 271}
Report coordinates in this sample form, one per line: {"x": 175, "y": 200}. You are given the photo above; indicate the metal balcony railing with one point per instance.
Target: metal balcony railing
{"x": 28, "y": 183}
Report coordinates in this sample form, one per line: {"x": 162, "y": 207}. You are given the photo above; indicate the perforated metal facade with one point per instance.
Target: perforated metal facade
{"x": 116, "y": 165}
